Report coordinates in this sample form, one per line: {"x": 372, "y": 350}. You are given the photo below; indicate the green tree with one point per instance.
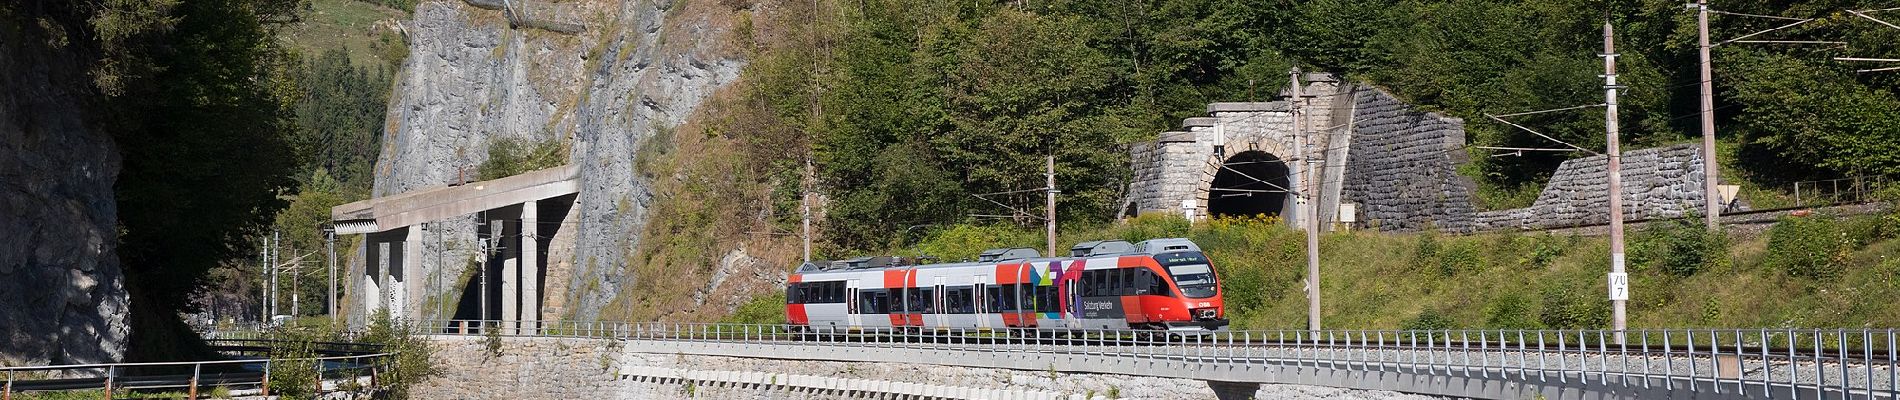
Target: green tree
{"x": 198, "y": 110}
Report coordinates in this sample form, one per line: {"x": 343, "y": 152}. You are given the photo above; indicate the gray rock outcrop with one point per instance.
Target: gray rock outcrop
{"x": 62, "y": 294}
{"x": 472, "y": 78}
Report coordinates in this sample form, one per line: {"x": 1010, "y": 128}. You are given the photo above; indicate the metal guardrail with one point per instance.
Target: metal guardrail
{"x": 1771, "y": 363}
{"x": 355, "y": 360}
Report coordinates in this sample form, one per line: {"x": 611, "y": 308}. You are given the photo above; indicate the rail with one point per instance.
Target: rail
{"x": 350, "y": 360}
{"x": 1771, "y": 363}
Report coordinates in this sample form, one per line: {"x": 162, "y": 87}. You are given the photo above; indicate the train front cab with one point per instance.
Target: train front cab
{"x": 1194, "y": 300}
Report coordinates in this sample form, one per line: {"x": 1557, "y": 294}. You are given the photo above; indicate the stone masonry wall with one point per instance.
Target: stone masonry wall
{"x": 1661, "y": 182}
{"x": 1400, "y": 166}
{"x": 574, "y": 368}
{"x": 1402, "y": 170}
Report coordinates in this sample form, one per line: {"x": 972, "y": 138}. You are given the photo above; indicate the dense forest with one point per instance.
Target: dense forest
{"x": 907, "y": 106}
{"x": 221, "y": 127}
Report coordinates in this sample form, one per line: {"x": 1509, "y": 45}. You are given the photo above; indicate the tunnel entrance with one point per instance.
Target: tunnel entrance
{"x": 1252, "y": 183}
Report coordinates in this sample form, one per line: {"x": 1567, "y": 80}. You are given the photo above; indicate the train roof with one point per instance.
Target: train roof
{"x": 1090, "y": 249}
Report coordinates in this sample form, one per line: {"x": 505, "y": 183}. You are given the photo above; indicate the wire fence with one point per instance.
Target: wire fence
{"x": 356, "y": 366}
{"x": 1859, "y": 189}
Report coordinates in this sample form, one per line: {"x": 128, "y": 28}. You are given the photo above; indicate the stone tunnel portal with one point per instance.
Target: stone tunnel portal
{"x": 1250, "y": 183}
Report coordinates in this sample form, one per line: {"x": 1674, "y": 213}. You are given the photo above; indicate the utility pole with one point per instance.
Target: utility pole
{"x": 1618, "y": 281}
{"x": 263, "y": 267}
{"x": 296, "y": 283}
{"x": 275, "y": 254}
{"x": 1049, "y": 208}
{"x": 1712, "y": 207}
{"x": 488, "y": 250}
{"x": 805, "y": 202}
{"x": 1310, "y": 212}
{"x": 329, "y": 248}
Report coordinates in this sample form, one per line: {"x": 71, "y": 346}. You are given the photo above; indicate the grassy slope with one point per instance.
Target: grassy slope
{"x": 350, "y": 25}
{"x": 1385, "y": 281}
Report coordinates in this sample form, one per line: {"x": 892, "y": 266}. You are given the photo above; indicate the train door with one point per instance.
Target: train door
{"x": 1070, "y": 316}
{"x": 981, "y": 300}
{"x": 1025, "y": 297}
{"x": 938, "y": 319}
{"x": 853, "y": 318}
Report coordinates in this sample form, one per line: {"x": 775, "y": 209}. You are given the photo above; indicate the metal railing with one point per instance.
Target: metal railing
{"x": 1773, "y": 363}
{"x": 251, "y": 374}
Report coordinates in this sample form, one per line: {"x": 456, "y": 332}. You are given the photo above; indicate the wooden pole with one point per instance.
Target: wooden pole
{"x": 1308, "y": 213}
{"x": 329, "y": 246}
{"x": 1049, "y": 207}
{"x": 1711, "y": 197}
{"x": 1615, "y": 154}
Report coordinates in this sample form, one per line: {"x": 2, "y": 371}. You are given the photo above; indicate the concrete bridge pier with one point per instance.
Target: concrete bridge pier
{"x": 385, "y": 276}
{"x": 516, "y": 219}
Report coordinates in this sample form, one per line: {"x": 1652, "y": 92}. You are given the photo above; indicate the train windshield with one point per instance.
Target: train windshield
{"x": 1191, "y": 272}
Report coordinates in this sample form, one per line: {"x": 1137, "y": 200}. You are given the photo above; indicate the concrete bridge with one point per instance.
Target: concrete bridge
{"x": 680, "y": 360}
{"x": 518, "y": 215}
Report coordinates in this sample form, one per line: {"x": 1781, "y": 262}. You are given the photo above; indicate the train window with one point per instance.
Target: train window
{"x": 919, "y": 299}
{"x": 959, "y": 300}
{"x": 874, "y": 301}
{"x": 815, "y": 293}
{"x": 1128, "y": 281}
{"x": 1002, "y": 298}
{"x": 1047, "y": 299}
{"x": 1148, "y": 283}
{"x": 1091, "y": 283}
{"x": 1026, "y": 297}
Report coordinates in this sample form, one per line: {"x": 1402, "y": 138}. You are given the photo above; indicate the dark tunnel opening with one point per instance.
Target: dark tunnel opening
{"x": 1252, "y": 183}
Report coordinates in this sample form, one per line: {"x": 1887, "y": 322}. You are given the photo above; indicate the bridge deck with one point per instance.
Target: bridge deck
{"x": 443, "y": 202}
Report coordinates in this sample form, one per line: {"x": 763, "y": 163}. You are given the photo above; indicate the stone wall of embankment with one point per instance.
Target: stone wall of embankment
{"x": 593, "y": 369}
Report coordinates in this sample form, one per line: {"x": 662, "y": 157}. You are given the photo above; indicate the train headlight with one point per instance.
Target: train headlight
{"x": 1203, "y": 314}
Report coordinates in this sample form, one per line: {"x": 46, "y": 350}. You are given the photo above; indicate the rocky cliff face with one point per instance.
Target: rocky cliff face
{"x": 62, "y": 295}
{"x": 597, "y": 75}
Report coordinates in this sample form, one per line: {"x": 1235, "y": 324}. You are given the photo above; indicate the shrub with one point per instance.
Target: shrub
{"x": 1510, "y": 311}
{"x": 1425, "y": 255}
{"x": 1888, "y": 271}
{"x": 293, "y": 373}
{"x": 1545, "y": 249}
{"x": 964, "y": 241}
{"x": 768, "y": 309}
{"x": 511, "y": 156}
{"x": 1808, "y": 247}
{"x": 412, "y": 353}
{"x": 1678, "y": 247}
{"x": 1459, "y": 257}
{"x": 1565, "y": 306}
{"x": 1428, "y": 320}
{"x": 1154, "y": 225}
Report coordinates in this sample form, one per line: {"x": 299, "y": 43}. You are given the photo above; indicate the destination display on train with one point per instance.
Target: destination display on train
{"x": 1181, "y": 258}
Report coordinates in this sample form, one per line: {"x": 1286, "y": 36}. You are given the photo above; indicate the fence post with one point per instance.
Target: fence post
{"x": 264, "y": 386}
{"x": 6, "y": 393}
{"x": 195, "y": 370}
{"x": 111, "y": 372}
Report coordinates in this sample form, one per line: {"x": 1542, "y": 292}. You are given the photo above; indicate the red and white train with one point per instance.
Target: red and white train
{"x": 1161, "y": 284}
